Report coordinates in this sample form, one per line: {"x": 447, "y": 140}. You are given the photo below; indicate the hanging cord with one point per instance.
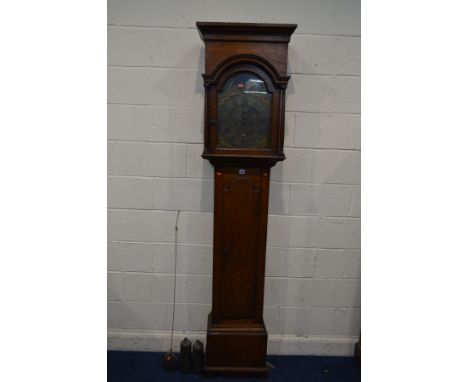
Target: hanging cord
{"x": 175, "y": 276}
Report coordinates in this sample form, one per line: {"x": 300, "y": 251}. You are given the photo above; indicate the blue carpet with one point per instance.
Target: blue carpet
{"x": 146, "y": 367}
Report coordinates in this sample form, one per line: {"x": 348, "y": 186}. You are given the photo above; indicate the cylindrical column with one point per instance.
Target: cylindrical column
{"x": 185, "y": 355}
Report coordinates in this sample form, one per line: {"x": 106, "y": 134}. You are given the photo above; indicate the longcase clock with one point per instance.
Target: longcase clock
{"x": 245, "y": 81}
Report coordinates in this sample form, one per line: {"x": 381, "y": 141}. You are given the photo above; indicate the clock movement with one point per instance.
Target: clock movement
{"x": 245, "y": 81}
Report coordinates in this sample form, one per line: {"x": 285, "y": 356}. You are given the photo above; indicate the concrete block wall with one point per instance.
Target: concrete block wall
{"x": 155, "y": 133}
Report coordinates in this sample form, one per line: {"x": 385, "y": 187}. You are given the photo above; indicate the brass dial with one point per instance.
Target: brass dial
{"x": 244, "y": 113}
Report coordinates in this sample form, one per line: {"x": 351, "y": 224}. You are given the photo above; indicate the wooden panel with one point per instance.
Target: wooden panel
{"x": 241, "y": 201}
{"x": 238, "y": 349}
{"x": 217, "y": 52}
{"x": 241, "y": 207}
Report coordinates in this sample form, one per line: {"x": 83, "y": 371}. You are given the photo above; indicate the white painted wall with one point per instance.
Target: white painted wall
{"x": 155, "y": 95}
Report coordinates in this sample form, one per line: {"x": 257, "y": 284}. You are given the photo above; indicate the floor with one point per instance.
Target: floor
{"x": 143, "y": 366}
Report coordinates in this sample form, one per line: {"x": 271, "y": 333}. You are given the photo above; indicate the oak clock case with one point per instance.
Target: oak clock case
{"x": 245, "y": 81}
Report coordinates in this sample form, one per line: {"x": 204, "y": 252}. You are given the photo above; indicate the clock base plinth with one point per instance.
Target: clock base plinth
{"x": 236, "y": 350}
{"x": 235, "y": 372}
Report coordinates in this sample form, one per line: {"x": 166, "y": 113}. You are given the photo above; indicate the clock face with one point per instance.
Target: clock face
{"x": 244, "y": 113}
